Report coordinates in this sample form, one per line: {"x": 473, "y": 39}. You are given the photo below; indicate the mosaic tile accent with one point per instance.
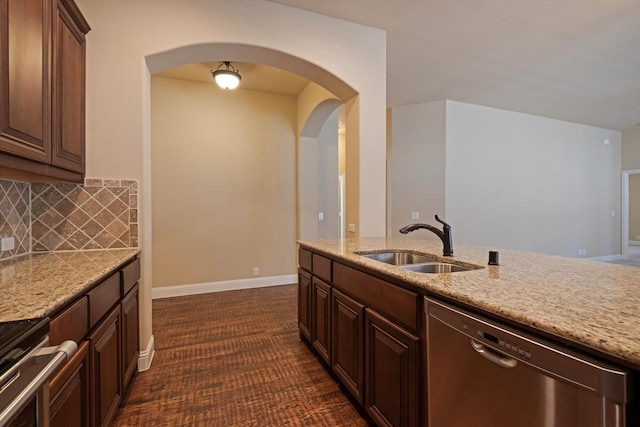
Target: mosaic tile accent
{"x": 102, "y": 214}
{"x": 15, "y": 216}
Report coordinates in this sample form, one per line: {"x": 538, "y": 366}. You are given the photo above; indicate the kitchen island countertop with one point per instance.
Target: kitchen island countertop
{"x": 38, "y": 284}
{"x": 590, "y": 303}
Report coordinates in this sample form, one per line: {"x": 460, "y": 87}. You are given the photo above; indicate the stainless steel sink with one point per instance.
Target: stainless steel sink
{"x": 436, "y": 268}
{"x": 399, "y": 258}
{"x": 420, "y": 263}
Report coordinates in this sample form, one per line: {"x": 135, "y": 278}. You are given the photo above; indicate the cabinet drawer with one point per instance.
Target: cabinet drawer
{"x": 71, "y": 324}
{"x": 321, "y": 267}
{"x": 129, "y": 276}
{"x": 102, "y": 298}
{"x": 304, "y": 259}
{"x": 395, "y": 302}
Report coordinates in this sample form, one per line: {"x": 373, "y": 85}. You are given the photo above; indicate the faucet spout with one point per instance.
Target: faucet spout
{"x": 444, "y": 234}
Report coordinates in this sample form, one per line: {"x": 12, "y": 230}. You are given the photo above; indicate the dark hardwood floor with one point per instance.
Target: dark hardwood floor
{"x": 234, "y": 359}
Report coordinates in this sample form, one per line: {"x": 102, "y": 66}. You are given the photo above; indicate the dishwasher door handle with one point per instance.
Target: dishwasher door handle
{"x": 493, "y": 356}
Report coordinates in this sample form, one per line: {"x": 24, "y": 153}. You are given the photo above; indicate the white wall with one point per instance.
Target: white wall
{"x": 526, "y": 182}
{"x": 511, "y": 180}
{"x": 631, "y": 148}
{"x": 634, "y": 207}
{"x": 308, "y": 174}
{"x": 328, "y": 200}
{"x": 318, "y": 182}
{"x": 417, "y": 166}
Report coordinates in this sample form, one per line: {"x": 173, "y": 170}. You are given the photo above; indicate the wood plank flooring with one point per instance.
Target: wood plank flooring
{"x": 234, "y": 359}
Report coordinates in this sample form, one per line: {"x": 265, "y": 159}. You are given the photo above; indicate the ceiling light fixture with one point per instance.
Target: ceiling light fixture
{"x": 227, "y": 78}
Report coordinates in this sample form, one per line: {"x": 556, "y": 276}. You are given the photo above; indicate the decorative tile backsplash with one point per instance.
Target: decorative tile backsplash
{"x": 101, "y": 214}
{"x": 15, "y": 216}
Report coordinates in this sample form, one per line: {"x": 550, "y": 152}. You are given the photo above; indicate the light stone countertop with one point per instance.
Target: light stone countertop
{"x": 37, "y": 284}
{"x": 591, "y": 303}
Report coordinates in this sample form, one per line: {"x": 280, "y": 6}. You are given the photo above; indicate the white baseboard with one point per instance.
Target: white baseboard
{"x": 606, "y": 258}
{"x": 227, "y": 285}
{"x": 146, "y": 355}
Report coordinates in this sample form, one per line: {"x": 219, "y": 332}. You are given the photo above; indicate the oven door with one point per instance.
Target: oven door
{"x": 24, "y": 389}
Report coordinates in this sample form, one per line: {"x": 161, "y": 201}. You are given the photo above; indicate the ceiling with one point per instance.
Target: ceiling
{"x": 257, "y": 77}
{"x": 573, "y": 60}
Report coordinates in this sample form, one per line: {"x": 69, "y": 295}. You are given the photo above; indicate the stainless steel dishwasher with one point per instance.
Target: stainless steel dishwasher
{"x": 481, "y": 373}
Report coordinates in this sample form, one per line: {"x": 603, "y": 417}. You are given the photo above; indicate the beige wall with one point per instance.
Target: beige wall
{"x": 126, "y": 33}
{"x": 511, "y": 180}
{"x": 223, "y": 183}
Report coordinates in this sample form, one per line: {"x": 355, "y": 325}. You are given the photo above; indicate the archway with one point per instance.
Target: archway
{"x": 320, "y": 176}
{"x": 198, "y": 53}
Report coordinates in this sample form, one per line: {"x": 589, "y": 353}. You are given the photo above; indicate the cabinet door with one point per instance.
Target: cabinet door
{"x": 348, "y": 342}
{"x": 68, "y": 79}
{"x": 105, "y": 359}
{"x": 69, "y": 391}
{"x": 25, "y": 101}
{"x": 304, "y": 304}
{"x": 391, "y": 372}
{"x": 130, "y": 349}
{"x": 321, "y": 318}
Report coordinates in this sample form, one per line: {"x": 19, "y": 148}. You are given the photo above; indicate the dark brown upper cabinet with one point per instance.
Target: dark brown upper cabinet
{"x": 42, "y": 90}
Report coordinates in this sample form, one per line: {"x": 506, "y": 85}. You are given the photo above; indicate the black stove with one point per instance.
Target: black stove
{"x": 17, "y": 338}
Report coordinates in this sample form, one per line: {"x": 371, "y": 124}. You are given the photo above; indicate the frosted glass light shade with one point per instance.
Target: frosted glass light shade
{"x": 227, "y": 79}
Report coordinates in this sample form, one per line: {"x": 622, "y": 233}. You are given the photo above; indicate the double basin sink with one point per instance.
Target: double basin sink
{"x": 412, "y": 261}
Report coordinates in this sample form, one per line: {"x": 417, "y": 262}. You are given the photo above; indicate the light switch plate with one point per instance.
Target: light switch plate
{"x": 415, "y": 215}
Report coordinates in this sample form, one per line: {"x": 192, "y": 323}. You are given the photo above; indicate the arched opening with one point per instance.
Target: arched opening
{"x": 268, "y": 194}
{"x": 321, "y": 173}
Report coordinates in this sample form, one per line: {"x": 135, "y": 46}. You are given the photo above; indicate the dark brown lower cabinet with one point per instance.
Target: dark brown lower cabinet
{"x": 69, "y": 391}
{"x": 304, "y": 303}
{"x": 130, "y": 334}
{"x": 105, "y": 359}
{"x": 391, "y": 361}
{"x": 348, "y": 343}
{"x": 368, "y": 331}
{"x": 321, "y": 318}
{"x": 88, "y": 388}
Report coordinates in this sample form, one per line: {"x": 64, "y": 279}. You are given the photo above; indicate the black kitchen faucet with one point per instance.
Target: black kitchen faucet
{"x": 444, "y": 235}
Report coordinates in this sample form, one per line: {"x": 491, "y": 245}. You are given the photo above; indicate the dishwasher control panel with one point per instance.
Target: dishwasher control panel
{"x": 501, "y": 340}
{"x": 508, "y": 345}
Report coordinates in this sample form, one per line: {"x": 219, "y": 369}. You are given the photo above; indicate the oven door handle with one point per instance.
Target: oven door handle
{"x": 32, "y": 373}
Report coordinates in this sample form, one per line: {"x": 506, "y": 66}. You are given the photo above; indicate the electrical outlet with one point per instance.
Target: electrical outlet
{"x": 8, "y": 243}
{"x": 582, "y": 252}
{"x": 352, "y": 228}
{"x": 415, "y": 215}
{"x": 320, "y": 216}
{"x": 637, "y": 236}
{"x": 256, "y": 271}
